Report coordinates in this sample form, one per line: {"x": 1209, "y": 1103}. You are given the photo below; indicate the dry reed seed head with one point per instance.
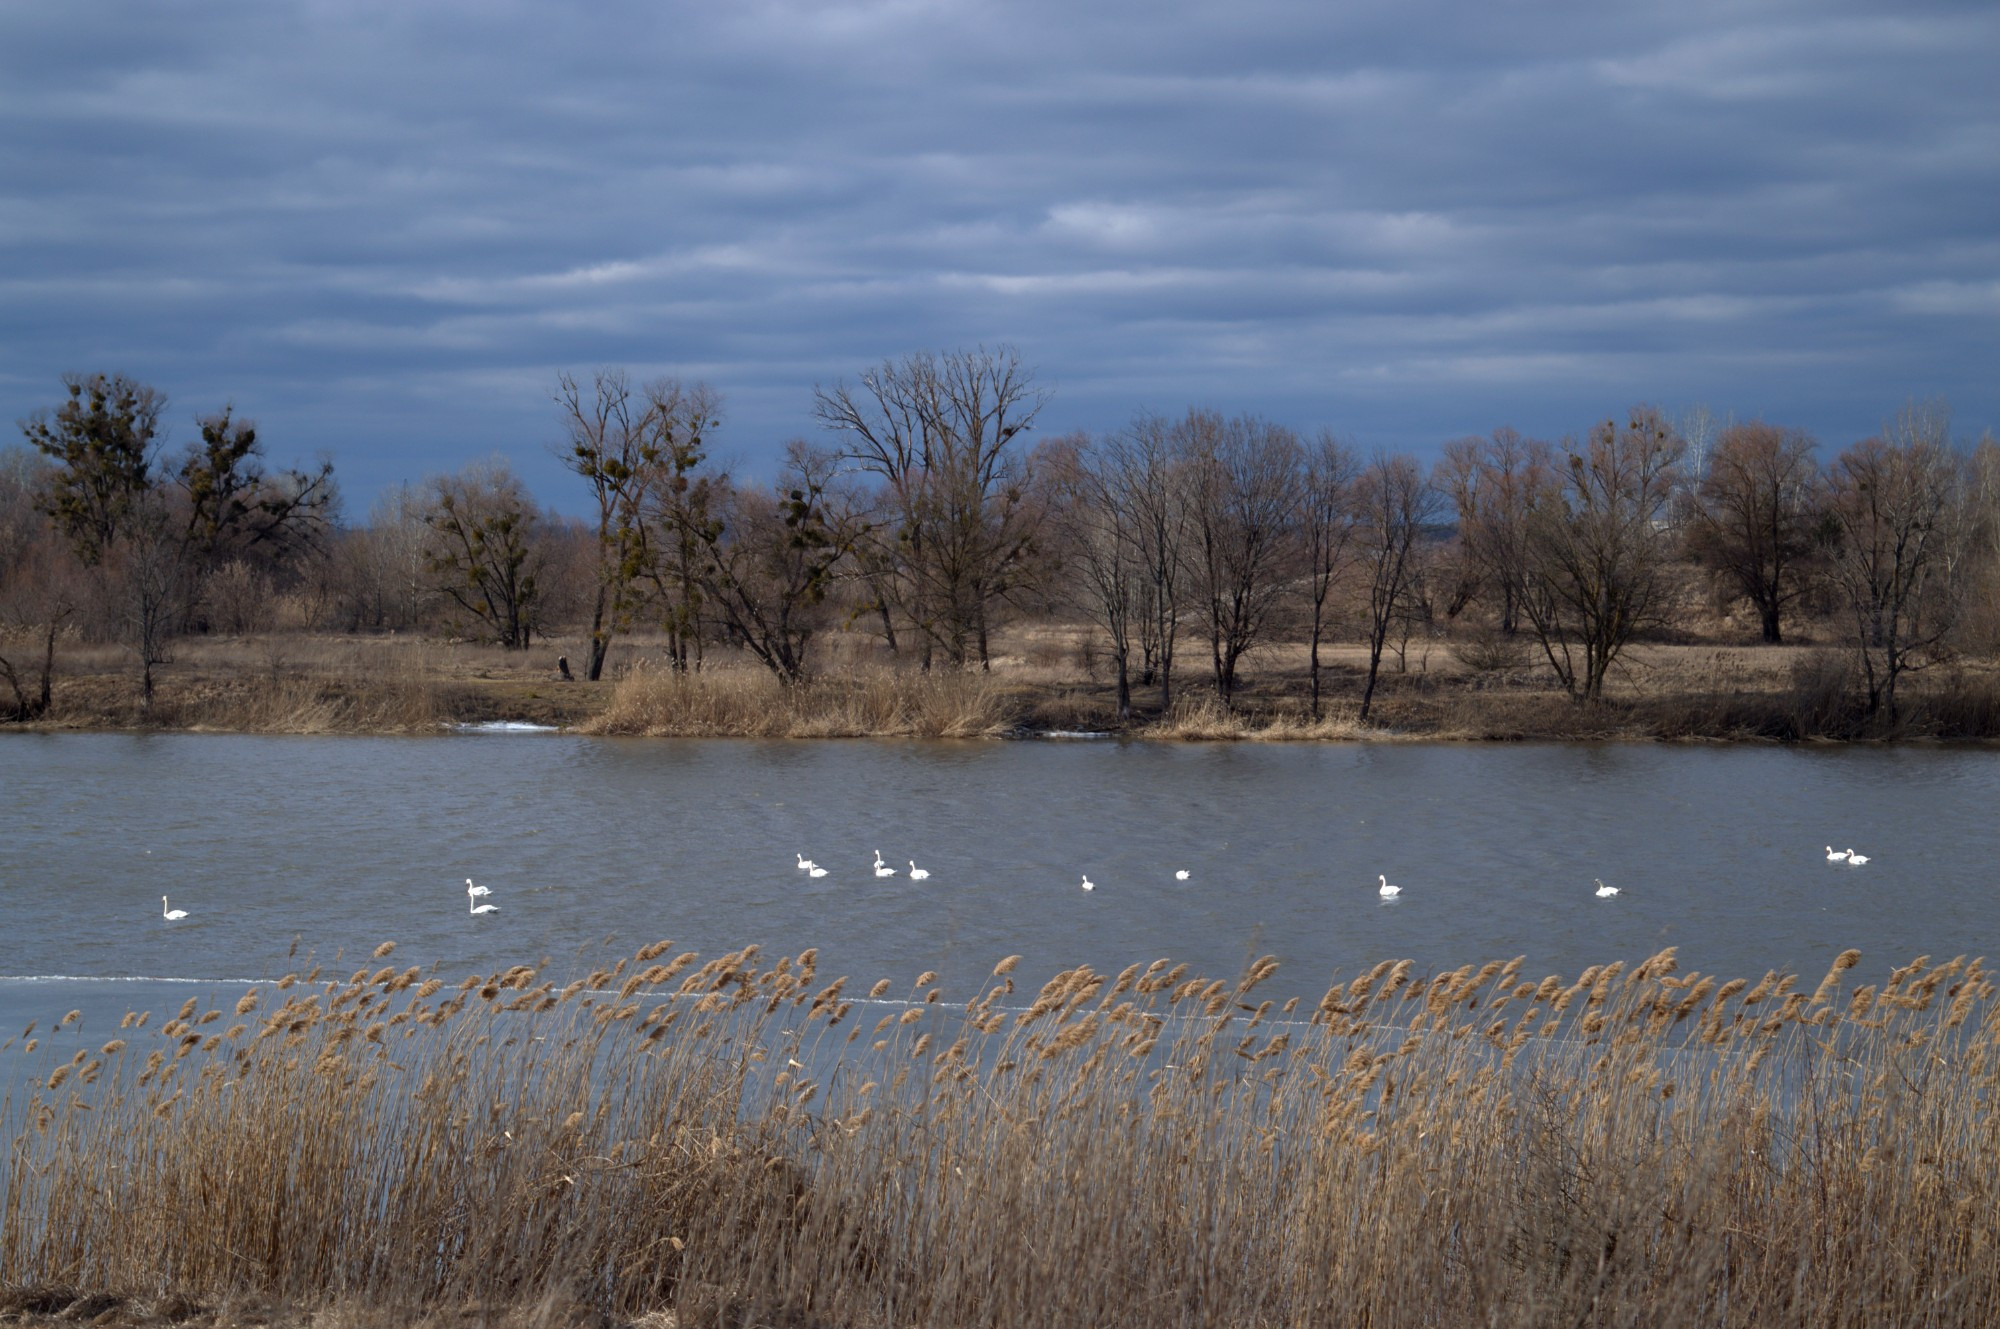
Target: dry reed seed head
{"x": 925, "y": 979}
{"x": 881, "y": 986}
{"x": 384, "y": 949}
{"x": 188, "y": 1008}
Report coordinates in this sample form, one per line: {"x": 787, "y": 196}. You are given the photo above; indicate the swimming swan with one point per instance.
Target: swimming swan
{"x": 1088, "y": 884}
{"x": 805, "y": 864}
{"x": 1387, "y": 891}
{"x": 1604, "y": 891}
{"x": 470, "y": 889}
{"x": 1181, "y": 875}
{"x": 1856, "y": 859}
{"x": 1836, "y": 855}
{"x": 815, "y": 870}
{"x": 171, "y": 913}
{"x": 917, "y": 873}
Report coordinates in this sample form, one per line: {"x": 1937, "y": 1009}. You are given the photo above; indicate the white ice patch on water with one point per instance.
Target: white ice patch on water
{"x": 506, "y": 727}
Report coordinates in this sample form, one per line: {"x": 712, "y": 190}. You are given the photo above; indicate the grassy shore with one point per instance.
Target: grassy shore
{"x": 668, "y": 1142}
{"x": 1043, "y": 679}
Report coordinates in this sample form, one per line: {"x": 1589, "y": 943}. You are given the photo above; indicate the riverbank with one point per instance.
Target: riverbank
{"x": 1043, "y": 681}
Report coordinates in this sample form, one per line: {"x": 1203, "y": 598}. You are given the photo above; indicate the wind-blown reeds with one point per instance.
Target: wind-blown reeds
{"x": 737, "y": 1141}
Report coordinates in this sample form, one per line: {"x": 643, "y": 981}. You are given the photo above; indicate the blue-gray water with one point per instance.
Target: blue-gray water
{"x": 332, "y": 845}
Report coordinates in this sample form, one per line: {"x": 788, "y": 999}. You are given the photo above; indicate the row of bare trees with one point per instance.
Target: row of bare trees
{"x": 1581, "y": 544}
{"x": 928, "y": 520}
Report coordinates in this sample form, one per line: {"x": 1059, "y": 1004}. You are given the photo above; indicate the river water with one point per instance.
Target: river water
{"x": 282, "y": 847}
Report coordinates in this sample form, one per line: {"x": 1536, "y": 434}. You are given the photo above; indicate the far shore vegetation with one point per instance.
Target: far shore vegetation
{"x": 672, "y": 1141}
{"x": 933, "y": 568}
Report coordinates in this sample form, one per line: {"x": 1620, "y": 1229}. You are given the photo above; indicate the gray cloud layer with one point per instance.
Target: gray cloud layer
{"x": 381, "y": 228}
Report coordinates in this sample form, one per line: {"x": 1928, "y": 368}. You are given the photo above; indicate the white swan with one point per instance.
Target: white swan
{"x": 815, "y": 870}
{"x": 882, "y": 869}
{"x": 1836, "y": 855}
{"x": 1856, "y": 859}
{"x": 470, "y": 889}
{"x": 482, "y": 908}
{"x": 1088, "y": 884}
{"x": 805, "y": 864}
{"x": 1387, "y": 891}
{"x": 917, "y": 873}
{"x": 1181, "y": 875}
{"x": 1604, "y": 891}
{"x": 171, "y": 913}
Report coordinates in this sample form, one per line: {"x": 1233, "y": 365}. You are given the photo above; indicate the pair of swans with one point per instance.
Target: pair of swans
{"x": 884, "y": 870}
{"x": 1845, "y": 856}
{"x": 810, "y": 868}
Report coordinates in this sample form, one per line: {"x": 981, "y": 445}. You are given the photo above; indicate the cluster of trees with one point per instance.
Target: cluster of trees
{"x": 927, "y": 518}
{"x": 101, "y": 527}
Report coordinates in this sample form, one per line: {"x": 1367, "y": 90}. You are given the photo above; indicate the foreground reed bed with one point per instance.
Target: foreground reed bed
{"x": 666, "y": 1141}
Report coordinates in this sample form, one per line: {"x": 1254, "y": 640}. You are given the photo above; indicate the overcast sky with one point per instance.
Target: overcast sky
{"x": 381, "y": 229}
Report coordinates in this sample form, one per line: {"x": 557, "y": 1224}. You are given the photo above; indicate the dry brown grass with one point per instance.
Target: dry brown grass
{"x": 866, "y": 702}
{"x": 1044, "y": 677}
{"x": 739, "y": 1142}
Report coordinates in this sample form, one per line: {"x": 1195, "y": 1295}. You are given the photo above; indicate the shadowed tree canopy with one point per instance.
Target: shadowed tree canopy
{"x": 1756, "y": 517}
{"x": 101, "y": 443}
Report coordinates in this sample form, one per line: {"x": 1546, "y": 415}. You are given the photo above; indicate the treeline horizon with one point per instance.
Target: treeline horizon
{"x": 926, "y": 520}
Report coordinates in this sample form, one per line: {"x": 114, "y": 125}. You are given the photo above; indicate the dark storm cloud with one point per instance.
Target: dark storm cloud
{"x": 381, "y": 229}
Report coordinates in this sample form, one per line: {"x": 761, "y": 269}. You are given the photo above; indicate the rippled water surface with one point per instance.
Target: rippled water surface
{"x": 330, "y": 845}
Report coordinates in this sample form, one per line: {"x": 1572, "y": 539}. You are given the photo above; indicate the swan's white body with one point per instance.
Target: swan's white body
{"x": 1088, "y": 884}
{"x": 805, "y": 864}
{"x": 1387, "y": 891}
{"x": 917, "y": 873}
{"x": 170, "y": 914}
{"x": 1836, "y": 855}
{"x": 815, "y": 871}
{"x": 1856, "y": 859}
{"x": 1604, "y": 891}
{"x": 883, "y": 869}
{"x": 470, "y": 889}
{"x": 1181, "y": 875}
{"x": 484, "y": 908}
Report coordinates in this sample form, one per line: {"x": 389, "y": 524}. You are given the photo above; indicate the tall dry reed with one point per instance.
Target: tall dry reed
{"x": 741, "y": 1142}
{"x": 752, "y": 703}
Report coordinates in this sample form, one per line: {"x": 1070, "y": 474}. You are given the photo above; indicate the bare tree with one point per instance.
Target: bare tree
{"x": 606, "y": 442}
{"x": 1896, "y": 515}
{"x": 1096, "y": 542}
{"x": 1493, "y": 482}
{"x": 1244, "y": 490}
{"x": 385, "y": 577}
{"x": 679, "y": 419}
{"x": 1756, "y": 517}
{"x": 482, "y": 547}
{"x": 1597, "y": 551}
{"x": 148, "y": 578}
{"x": 39, "y": 590}
{"x": 769, "y": 559}
{"x": 1393, "y": 502}
{"x": 936, "y": 430}
{"x": 1327, "y": 520}
{"x": 1146, "y": 471}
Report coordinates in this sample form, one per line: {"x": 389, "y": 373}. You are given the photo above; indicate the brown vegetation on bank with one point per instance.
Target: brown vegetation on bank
{"x": 1045, "y": 678}
{"x": 671, "y": 1142}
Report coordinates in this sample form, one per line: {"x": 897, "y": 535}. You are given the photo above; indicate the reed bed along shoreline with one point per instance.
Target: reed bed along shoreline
{"x": 669, "y": 1141}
